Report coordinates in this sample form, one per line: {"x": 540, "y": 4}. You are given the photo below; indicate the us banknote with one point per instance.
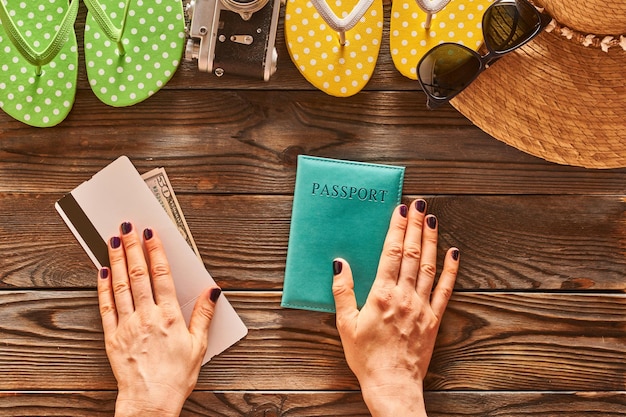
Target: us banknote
{"x": 160, "y": 185}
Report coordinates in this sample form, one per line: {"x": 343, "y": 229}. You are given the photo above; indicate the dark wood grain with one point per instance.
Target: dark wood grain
{"x": 507, "y": 242}
{"x": 537, "y": 324}
{"x": 52, "y": 340}
{"x": 313, "y": 404}
{"x": 241, "y": 141}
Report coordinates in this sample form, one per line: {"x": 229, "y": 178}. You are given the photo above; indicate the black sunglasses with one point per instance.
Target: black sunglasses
{"x": 448, "y": 68}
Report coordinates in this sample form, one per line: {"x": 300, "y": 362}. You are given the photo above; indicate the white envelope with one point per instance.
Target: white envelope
{"x": 94, "y": 212}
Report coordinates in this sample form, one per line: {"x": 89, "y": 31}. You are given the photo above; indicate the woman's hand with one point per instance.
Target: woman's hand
{"x": 155, "y": 358}
{"x": 389, "y": 343}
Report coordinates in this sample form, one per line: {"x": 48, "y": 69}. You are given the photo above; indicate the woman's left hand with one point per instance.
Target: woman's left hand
{"x": 155, "y": 358}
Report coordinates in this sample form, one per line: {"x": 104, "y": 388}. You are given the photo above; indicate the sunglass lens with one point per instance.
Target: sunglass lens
{"x": 447, "y": 69}
{"x": 509, "y": 24}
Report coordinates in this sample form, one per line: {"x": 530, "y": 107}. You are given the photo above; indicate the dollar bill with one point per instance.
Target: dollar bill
{"x": 160, "y": 185}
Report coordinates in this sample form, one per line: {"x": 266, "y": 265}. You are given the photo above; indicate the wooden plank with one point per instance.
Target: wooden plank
{"x": 507, "y": 242}
{"x": 322, "y": 404}
{"x": 57, "y": 403}
{"x": 242, "y": 142}
{"x": 52, "y": 340}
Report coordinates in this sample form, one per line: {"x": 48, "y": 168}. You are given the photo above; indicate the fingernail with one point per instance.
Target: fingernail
{"x": 115, "y": 242}
{"x": 147, "y": 234}
{"x": 215, "y": 294}
{"x": 455, "y": 254}
{"x": 126, "y": 228}
{"x": 431, "y": 221}
{"x": 337, "y": 267}
{"x": 104, "y": 273}
{"x": 403, "y": 210}
{"x": 420, "y": 205}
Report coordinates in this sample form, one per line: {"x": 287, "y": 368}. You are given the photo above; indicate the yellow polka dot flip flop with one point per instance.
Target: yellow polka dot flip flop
{"x": 39, "y": 64}
{"x": 132, "y": 47}
{"x": 335, "y": 54}
{"x": 416, "y": 26}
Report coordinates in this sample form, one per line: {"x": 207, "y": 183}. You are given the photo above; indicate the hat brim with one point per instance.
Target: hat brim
{"x": 555, "y": 99}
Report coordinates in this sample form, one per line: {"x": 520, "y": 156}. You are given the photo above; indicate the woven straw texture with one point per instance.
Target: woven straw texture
{"x": 555, "y": 98}
{"x": 589, "y": 16}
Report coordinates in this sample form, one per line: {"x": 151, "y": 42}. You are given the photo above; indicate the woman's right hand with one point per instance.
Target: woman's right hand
{"x": 389, "y": 343}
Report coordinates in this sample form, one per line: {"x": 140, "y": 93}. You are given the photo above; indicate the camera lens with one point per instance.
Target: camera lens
{"x": 244, "y": 7}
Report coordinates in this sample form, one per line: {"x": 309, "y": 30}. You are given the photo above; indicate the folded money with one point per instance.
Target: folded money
{"x": 160, "y": 185}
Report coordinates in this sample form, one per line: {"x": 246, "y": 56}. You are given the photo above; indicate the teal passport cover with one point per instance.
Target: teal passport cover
{"x": 340, "y": 209}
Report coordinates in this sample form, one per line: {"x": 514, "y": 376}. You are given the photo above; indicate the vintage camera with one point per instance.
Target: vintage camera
{"x": 233, "y": 36}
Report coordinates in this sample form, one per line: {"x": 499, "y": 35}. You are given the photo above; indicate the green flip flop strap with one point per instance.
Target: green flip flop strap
{"x": 56, "y": 44}
{"x": 110, "y": 30}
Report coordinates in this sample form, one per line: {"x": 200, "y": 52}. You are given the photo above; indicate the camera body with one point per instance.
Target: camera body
{"x": 233, "y": 36}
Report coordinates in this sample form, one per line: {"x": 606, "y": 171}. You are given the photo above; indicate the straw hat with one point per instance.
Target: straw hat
{"x": 562, "y": 96}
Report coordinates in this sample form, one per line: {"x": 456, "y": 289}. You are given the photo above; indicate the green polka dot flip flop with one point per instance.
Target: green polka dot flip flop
{"x": 39, "y": 65}
{"x": 132, "y": 47}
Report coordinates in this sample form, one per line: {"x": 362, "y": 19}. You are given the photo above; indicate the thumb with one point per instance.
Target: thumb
{"x": 202, "y": 314}
{"x": 343, "y": 292}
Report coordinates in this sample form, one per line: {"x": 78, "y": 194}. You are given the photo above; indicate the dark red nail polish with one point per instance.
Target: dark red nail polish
{"x": 337, "y": 267}
{"x": 147, "y": 234}
{"x": 403, "y": 210}
{"x": 215, "y": 294}
{"x": 126, "y": 228}
{"x": 456, "y": 254}
{"x": 104, "y": 273}
{"x": 431, "y": 221}
{"x": 115, "y": 242}
{"x": 420, "y": 205}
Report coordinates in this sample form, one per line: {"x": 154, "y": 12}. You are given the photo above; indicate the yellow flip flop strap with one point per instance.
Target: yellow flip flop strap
{"x": 342, "y": 24}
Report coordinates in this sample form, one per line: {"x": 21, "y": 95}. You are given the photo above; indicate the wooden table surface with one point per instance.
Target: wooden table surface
{"x": 537, "y": 323}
